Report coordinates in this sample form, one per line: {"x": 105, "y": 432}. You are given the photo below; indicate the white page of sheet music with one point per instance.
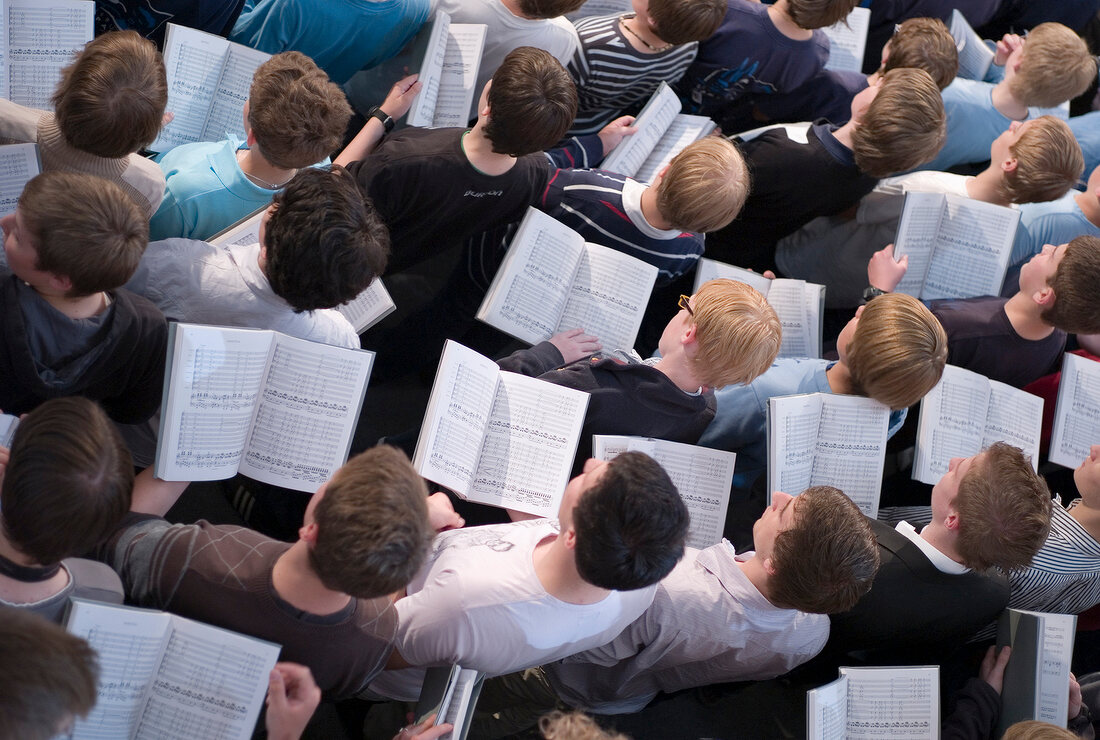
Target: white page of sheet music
{"x": 827, "y": 711}
{"x": 952, "y": 422}
{"x": 243, "y": 234}
{"x": 975, "y": 57}
{"x": 214, "y": 380}
{"x": 129, "y": 644}
{"x": 788, "y": 298}
{"x": 1077, "y": 411}
{"x": 370, "y": 306}
{"x": 458, "y": 705}
{"x": 917, "y": 231}
{"x": 453, "y": 429}
{"x": 431, "y": 70}
{"x": 609, "y": 295}
{"x": 210, "y": 683}
{"x": 652, "y": 122}
{"x": 896, "y": 703}
{"x": 528, "y": 294}
{"x": 793, "y": 424}
{"x": 226, "y": 113}
{"x": 1015, "y": 417}
{"x": 41, "y": 37}
{"x": 847, "y": 41}
{"x": 18, "y": 164}
{"x": 712, "y": 270}
{"x": 458, "y": 75}
{"x": 193, "y": 60}
{"x": 530, "y": 442}
{"x": 685, "y": 129}
{"x": 851, "y": 448}
{"x": 306, "y": 413}
{"x": 1055, "y": 658}
{"x": 972, "y": 249}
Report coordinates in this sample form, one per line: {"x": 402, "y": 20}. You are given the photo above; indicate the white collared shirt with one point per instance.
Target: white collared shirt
{"x": 942, "y": 563}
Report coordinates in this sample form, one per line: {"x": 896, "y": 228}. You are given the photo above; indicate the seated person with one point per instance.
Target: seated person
{"x": 1037, "y": 160}
{"x": 1077, "y": 213}
{"x": 69, "y": 327}
{"x": 723, "y": 335}
{"x": 213, "y": 16}
{"x": 895, "y": 125}
{"x": 921, "y": 43}
{"x": 65, "y": 489}
{"x": 470, "y": 180}
{"x": 1050, "y": 67}
{"x": 887, "y": 16}
{"x": 893, "y": 351}
{"x": 294, "y": 117}
{"x": 758, "y": 50}
{"x": 320, "y": 246}
{"x": 623, "y": 58}
{"x": 501, "y": 598}
{"x": 1019, "y": 339}
{"x": 108, "y": 105}
{"x": 325, "y": 598}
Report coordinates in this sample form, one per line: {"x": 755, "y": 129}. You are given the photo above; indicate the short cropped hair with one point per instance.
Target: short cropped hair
{"x": 296, "y": 112}
{"x": 827, "y": 560}
{"x": 1056, "y": 67}
{"x": 810, "y": 14}
{"x": 684, "y": 21}
{"x": 904, "y": 126}
{"x": 738, "y": 333}
{"x": 542, "y": 9}
{"x": 631, "y": 525}
{"x": 532, "y": 103}
{"x": 1004, "y": 510}
{"x": 898, "y": 351}
{"x": 1076, "y": 307}
{"x": 1048, "y": 162}
{"x": 324, "y": 240}
{"x": 50, "y": 677}
{"x": 84, "y": 228}
{"x": 924, "y": 43}
{"x": 372, "y": 525}
{"x": 110, "y": 101}
{"x": 69, "y": 481}
{"x": 1033, "y": 729}
{"x": 705, "y": 186}
{"x": 558, "y": 725}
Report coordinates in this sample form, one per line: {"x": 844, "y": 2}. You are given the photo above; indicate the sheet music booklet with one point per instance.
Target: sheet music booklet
{"x": 848, "y": 40}
{"x": 450, "y": 693}
{"x": 965, "y": 413}
{"x": 1076, "y": 412}
{"x": 1036, "y": 680}
{"x": 19, "y": 164}
{"x": 975, "y": 57}
{"x": 449, "y": 56}
{"x": 958, "y": 247}
{"x": 496, "y": 437}
{"x": 827, "y": 439}
{"x": 551, "y": 281}
{"x": 898, "y": 702}
{"x": 270, "y": 406}
{"x": 800, "y": 305}
{"x": 39, "y": 38}
{"x": 170, "y": 678}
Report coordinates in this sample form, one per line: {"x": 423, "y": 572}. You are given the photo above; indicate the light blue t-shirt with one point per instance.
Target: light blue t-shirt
{"x": 1086, "y": 129}
{"x": 1054, "y": 222}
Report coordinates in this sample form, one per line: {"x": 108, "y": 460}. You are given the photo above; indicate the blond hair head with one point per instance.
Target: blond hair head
{"x": 737, "y": 333}
{"x": 904, "y": 126}
{"x": 1048, "y": 162}
{"x": 705, "y": 186}
{"x": 1056, "y": 66}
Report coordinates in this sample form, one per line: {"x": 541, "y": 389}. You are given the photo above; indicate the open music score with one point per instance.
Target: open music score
{"x": 975, "y": 58}
{"x": 965, "y": 413}
{"x": 1036, "y": 679}
{"x": 1077, "y": 411}
{"x": 848, "y": 40}
{"x": 167, "y": 677}
{"x": 825, "y": 439}
{"x": 273, "y": 407}
{"x": 551, "y": 281}
{"x": 702, "y": 476}
{"x": 496, "y": 437}
{"x": 208, "y": 82}
{"x": 450, "y": 55}
{"x": 875, "y": 703}
{"x": 19, "y": 163}
{"x": 38, "y": 39}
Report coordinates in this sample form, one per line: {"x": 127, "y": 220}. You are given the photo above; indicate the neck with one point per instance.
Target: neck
{"x": 844, "y": 133}
{"x": 1007, "y": 104}
{"x": 1024, "y": 315}
{"x": 1089, "y": 205}
{"x": 640, "y": 36}
{"x": 675, "y": 365}
{"x": 556, "y": 570}
{"x": 479, "y": 152}
{"x": 513, "y": 8}
{"x": 649, "y": 209}
{"x": 83, "y": 307}
{"x": 254, "y": 165}
{"x": 753, "y": 569}
{"x": 22, "y": 592}
{"x": 986, "y": 186}
{"x": 297, "y": 583}
{"x": 942, "y": 539}
{"x": 840, "y": 378}
{"x": 1087, "y": 517}
{"x": 781, "y": 16}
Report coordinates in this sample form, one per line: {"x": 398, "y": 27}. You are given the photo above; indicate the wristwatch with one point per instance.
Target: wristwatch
{"x": 871, "y": 292}
{"x": 382, "y": 116}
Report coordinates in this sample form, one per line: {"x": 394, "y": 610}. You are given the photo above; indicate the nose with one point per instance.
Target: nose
{"x": 955, "y": 462}
{"x": 779, "y": 498}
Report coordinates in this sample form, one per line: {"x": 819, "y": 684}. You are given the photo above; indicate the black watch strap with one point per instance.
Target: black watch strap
{"x": 871, "y": 292}
{"x": 383, "y": 117}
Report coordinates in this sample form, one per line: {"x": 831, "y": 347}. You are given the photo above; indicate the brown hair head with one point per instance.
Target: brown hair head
{"x": 827, "y": 560}
{"x": 84, "y": 228}
{"x": 705, "y": 186}
{"x": 543, "y": 9}
{"x": 372, "y": 525}
{"x": 69, "y": 482}
{"x": 1076, "y": 307}
{"x": 737, "y": 333}
{"x": 296, "y": 112}
{"x": 1004, "y": 510}
{"x": 904, "y": 126}
{"x": 811, "y": 14}
{"x": 684, "y": 21}
{"x": 110, "y": 100}
{"x": 532, "y": 103}
{"x": 1048, "y": 162}
{"x": 924, "y": 43}
{"x": 1056, "y": 66}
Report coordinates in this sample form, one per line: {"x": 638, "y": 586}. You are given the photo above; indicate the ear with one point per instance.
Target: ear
{"x": 308, "y": 533}
{"x": 61, "y": 284}
{"x": 661, "y": 175}
{"x": 1044, "y": 297}
{"x": 690, "y": 335}
{"x": 569, "y": 538}
{"x": 1009, "y": 165}
{"x": 951, "y": 522}
{"x": 769, "y": 567}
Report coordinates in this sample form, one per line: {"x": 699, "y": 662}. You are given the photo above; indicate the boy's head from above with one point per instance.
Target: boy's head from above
{"x": 296, "y": 115}
{"x": 74, "y": 235}
{"x": 321, "y": 241}
{"x": 110, "y": 101}
{"x": 624, "y": 521}
{"x": 817, "y": 549}
{"x": 69, "y": 481}
{"x": 895, "y": 350}
{"x": 681, "y": 21}
{"x": 544, "y": 9}
{"x": 367, "y": 528}
{"x": 810, "y": 14}
{"x": 1062, "y": 280}
{"x": 1040, "y": 160}
{"x": 530, "y": 103}
{"x": 997, "y": 507}
{"x": 1052, "y": 66}
{"x": 704, "y": 186}
{"x": 923, "y": 43}
{"x": 898, "y": 123}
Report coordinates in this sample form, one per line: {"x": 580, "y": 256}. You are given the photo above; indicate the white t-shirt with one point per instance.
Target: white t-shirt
{"x": 478, "y": 603}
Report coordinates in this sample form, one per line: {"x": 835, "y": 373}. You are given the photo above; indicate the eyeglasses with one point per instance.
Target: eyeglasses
{"x": 685, "y": 303}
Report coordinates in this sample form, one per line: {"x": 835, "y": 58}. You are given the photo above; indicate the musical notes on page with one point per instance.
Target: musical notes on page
{"x": 1077, "y": 411}
{"x": 40, "y": 38}
{"x": 651, "y": 123}
{"x": 19, "y": 163}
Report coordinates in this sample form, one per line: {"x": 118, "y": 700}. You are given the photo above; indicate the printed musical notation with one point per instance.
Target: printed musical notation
{"x": 40, "y": 38}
